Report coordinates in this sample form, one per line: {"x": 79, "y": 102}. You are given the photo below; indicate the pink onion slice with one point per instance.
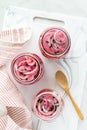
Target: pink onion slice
{"x": 55, "y": 41}
{"x": 26, "y": 68}
{"x": 47, "y": 106}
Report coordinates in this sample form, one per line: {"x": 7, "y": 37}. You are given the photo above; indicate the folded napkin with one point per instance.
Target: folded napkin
{"x": 18, "y": 116}
{"x": 11, "y": 41}
{"x": 14, "y": 115}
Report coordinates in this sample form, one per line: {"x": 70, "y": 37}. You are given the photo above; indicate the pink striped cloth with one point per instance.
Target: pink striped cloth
{"x": 17, "y": 116}
{"x": 11, "y": 41}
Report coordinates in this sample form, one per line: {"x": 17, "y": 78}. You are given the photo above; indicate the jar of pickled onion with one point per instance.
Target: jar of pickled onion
{"x": 27, "y": 68}
{"x": 54, "y": 42}
{"x": 47, "y": 104}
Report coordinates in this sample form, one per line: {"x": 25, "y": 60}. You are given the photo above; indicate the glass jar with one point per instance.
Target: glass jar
{"x": 54, "y": 42}
{"x": 47, "y": 104}
{"x": 27, "y": 68}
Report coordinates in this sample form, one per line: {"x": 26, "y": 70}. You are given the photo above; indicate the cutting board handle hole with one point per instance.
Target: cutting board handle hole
{"x": 44, "y": 20}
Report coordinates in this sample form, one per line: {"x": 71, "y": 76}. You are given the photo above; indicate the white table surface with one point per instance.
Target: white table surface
{"x": 72, "y": 7}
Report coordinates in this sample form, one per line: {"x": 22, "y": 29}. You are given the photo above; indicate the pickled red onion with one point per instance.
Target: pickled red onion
{"x": 26, "y": 68}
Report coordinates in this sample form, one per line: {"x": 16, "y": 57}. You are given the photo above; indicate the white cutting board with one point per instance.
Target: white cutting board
{"x": 73, "y": 65}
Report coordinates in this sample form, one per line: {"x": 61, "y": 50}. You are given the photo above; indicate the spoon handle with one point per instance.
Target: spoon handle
{"x": 75, "y": 106}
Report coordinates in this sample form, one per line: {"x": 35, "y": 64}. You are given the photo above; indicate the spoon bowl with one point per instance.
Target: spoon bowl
{"x": 61, "y": 80}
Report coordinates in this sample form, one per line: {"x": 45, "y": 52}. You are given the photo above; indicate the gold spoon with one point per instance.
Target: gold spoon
{"x": 63, "y": 82}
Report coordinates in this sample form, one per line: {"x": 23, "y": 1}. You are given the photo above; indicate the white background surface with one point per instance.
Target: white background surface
{"x": 74, "y": 7}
